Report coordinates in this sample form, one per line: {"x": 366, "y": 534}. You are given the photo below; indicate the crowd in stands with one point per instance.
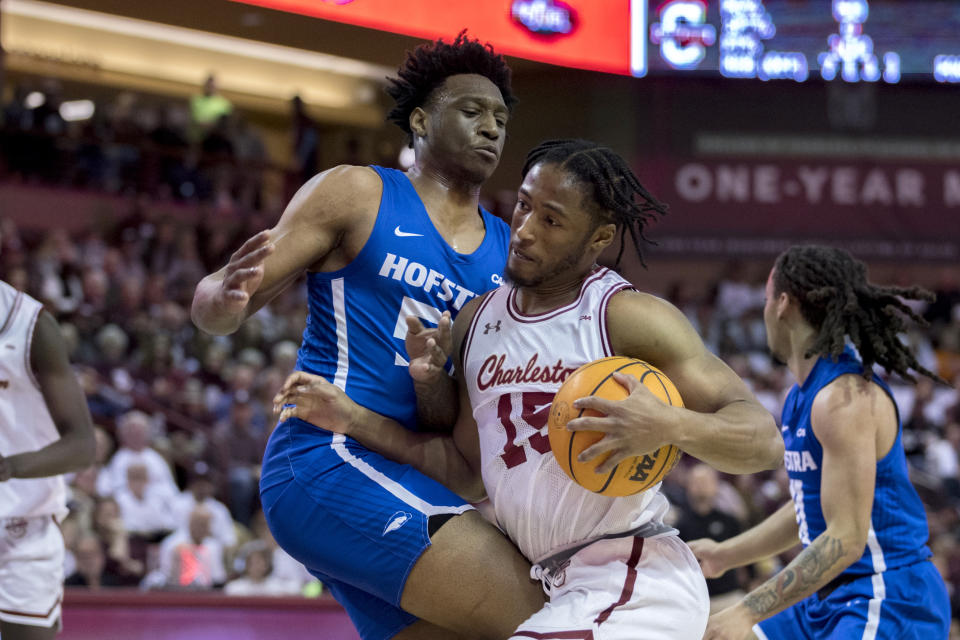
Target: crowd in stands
{"x": 198, "y": 150}
{"x": 182, "y": 417}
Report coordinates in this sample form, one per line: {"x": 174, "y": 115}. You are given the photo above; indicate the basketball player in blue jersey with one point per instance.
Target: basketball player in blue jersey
{"x": 378, "y": 245}
{"x": 864, "y": 571}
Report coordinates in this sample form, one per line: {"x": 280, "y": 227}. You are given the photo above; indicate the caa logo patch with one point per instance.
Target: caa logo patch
{"x": 396, "y": 521}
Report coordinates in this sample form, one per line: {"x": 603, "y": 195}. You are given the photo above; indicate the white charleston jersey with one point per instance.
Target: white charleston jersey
{"x": 25, "y": 422}
{"x": 513, "y": 366}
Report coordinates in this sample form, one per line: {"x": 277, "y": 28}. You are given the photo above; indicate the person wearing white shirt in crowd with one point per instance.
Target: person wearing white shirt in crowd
{"x": 133, "y": 432}
{"x": 942, "y": 457}
{"x": 285, "y": 567}
{"x": 258, "y": 578}
{"x": 145, "y": 509}
{"x": 200, "y": 491}
{"x": 191, "y": 557}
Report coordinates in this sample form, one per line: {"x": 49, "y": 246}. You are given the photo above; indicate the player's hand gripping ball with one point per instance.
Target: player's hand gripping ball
{"x": 596, "y": 379}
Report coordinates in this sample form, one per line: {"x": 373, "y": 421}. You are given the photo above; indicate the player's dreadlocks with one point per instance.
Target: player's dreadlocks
{"x": 614, "y": 186}
{"x": 837, "y": 300}
{"x": 427, "y": 66}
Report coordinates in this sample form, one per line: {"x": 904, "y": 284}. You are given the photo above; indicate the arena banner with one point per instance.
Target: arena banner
{"x": 722, "y": 205}
{"x": 584, "y": 34}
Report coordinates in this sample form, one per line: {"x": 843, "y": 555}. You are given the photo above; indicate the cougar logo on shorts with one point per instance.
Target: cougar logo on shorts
{"x": 16, "y": 528}
{"x": 396, "y": 521}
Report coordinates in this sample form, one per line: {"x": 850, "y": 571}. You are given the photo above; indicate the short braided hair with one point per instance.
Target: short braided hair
{"x": 837, "y": 300}
{"x": 427, "y": 66}
{"x": 610, "y": 182}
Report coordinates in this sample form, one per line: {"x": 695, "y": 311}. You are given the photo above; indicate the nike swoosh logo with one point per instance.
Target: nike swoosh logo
{"x": 404, "y": 234}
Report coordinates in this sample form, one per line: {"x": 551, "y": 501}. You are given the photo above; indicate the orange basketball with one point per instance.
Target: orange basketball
{"x": 596, "y": 379}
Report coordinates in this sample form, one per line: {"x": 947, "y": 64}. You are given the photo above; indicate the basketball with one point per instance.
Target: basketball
{"x": 596, "y": 379}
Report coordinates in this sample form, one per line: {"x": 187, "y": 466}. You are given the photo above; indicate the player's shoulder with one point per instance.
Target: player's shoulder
{"x": 629, "y": 302}
{"x": 641, "y": 323}
{"x": 849, "y": 398}
{"x": 351, "y": 181}
{"x": 346, "y": 190}
{"x": 46, "y": 328}
{"x": 48, "y": 348}
{"x": 847, "y": 390}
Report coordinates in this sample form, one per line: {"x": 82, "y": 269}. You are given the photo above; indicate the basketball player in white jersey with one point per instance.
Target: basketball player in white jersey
{"x": 45, "y": 431}
{"x": 613, "y": 570}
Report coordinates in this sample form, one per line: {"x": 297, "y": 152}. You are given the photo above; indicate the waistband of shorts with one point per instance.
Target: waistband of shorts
{"x": 31, "y": 518}
{"x": 846, "y": 578}
{"x": 550, "y": 563}
{"x": 824, "y": 592}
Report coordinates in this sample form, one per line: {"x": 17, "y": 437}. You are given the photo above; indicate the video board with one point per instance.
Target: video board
{"x": 851, "y": 40}
{"x": 847, "y": 40}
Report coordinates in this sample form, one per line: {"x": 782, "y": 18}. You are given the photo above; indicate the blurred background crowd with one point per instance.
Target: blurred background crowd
{"x": 182, "y": 417}
{"x": 196, "y": 150}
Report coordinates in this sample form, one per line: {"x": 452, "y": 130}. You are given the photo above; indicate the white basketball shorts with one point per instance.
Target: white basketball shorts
{"x": 624, "y": 589}
{"x": 31, "y": 571}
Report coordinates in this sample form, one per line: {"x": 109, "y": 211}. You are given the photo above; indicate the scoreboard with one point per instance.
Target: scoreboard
{"x": 795, "y": 40}
{"x": 852, "y": 40}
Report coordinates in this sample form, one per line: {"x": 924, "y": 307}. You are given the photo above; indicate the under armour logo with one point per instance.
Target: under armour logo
{"x": 492, "y": 327}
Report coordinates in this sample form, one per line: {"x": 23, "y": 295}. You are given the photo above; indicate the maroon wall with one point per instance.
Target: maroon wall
{"x": 131, "y": 615}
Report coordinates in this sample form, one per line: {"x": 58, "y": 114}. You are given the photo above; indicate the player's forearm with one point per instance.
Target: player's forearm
{"x": 774, "y": 535}
{"x": 72, "y": 452}
{"x": 434, "y": 454}
{"x": 822, "y": 561}
{"x": 437, "y": 403}
{"x": 208, "y": 314}
{"x": 739, "y": 438}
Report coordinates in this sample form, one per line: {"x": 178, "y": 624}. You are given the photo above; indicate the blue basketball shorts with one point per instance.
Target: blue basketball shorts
{"x": 357, "y": 521}
{"x": 907, "y": 603}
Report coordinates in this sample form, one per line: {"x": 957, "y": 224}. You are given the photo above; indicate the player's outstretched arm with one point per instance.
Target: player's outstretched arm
{"x": 845, "y": 418}
{"x": 451, "y": 459}
{"x": 721, "y": 423}
{"x": 67, "y": 405}
{"x": 322, "y": 213}
{"x": 776, "y": 534}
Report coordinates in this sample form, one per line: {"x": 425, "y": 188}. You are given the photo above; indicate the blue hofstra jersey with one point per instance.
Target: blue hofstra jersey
{"x": 356, "y": 324}
{"x": 898, "y": 525}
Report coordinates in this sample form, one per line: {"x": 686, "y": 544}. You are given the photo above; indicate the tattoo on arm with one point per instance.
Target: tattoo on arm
{"x": 816, "y": 565}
